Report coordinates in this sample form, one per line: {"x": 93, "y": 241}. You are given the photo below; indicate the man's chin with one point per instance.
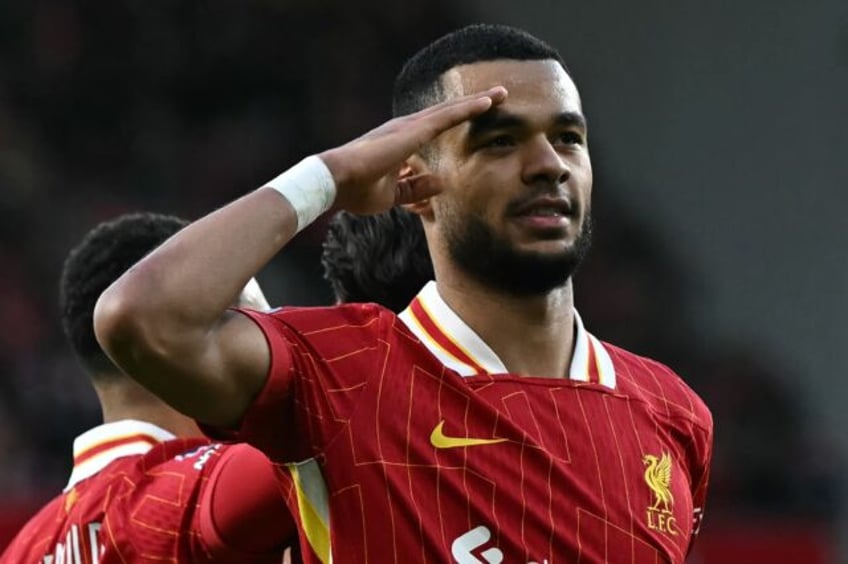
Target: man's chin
{"x": 546, "y": 250}
{"x": 516, "y": 263}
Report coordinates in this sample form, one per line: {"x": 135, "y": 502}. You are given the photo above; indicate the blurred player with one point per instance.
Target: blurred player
{"x": 381, "y": 258}
{"x": 482, "y": 424}
{"x": 145, "y": 485}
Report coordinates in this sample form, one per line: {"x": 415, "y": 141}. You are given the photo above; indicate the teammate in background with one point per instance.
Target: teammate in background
{"x": 482, "y": 424}
{"x": 146, "y": 486}
{"x": 381, "y": 258}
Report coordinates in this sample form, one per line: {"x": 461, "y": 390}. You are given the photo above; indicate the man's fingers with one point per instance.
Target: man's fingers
{"x": 496, "y": 95}
{"x": 416, "y": 188}
{"x": 367, "y": 163}
{"x": 446, "y": 115}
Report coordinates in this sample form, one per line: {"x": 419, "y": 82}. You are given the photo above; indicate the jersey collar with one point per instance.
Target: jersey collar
{"x": 459, "y": 348}
{"x": 98, "y": 447}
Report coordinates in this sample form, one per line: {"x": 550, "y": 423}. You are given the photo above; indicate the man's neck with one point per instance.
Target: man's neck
{"x": 121, "y": 399}
{"x": 533, "y": 336}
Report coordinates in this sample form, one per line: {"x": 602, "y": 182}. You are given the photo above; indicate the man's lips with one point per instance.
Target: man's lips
{"x": 544, "y": 206}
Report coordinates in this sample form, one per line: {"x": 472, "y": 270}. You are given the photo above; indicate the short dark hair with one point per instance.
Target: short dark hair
{"x": 103, "y": 255}
{"x": 419, "y": 85}
{"x": 377, "y": 258}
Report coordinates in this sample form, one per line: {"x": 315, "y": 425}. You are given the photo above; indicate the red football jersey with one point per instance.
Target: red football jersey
{"x": 133, "y": 496}
{"x": 417, "y": 445}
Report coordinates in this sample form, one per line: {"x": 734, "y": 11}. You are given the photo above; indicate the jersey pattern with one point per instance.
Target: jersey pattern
{"x": 132, "y": 497}
{"x": 416, "y": 445}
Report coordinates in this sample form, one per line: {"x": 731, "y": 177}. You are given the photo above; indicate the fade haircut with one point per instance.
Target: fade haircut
{"x": 379, "y": 258}
{"x": 419, "y": 83}
{"x": 103, "y": 255}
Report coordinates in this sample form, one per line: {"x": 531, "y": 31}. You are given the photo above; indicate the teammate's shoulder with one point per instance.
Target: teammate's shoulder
{"x": 48, "y": 512}
{"x": 191, "y": 453}
{"x": 658, "y": 385}
{"x": 35, "y": 537}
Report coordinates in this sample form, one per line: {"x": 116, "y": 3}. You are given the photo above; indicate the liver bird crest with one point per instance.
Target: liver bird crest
{"x": 658, "y": 478}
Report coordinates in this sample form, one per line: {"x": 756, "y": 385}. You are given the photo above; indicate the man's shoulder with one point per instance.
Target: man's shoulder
{"x": 357, "y": 316}
{"x": 332, "y": 331}
{"x": 658, "y": 385}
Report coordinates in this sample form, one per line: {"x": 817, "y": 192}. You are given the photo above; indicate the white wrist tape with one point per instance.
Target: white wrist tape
{"x": 309, "y": 187}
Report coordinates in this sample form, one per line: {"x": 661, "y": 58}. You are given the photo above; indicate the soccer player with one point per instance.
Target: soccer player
{"x": 146, "y": 486}
{"x": 380, "y": 258}
{"x": 482, "y": 424}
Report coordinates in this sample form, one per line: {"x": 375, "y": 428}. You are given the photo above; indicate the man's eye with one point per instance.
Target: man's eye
{"x": 500, "y": 141}
{"x": 571, "y": 138}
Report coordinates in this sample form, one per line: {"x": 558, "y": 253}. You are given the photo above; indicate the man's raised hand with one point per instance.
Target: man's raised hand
{"x": 366, "y": 170}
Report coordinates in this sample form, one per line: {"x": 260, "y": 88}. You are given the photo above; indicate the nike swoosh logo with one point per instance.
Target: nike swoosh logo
{"x": 439, "y": 440}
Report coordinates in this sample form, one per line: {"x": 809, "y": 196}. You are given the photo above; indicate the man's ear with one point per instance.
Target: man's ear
{"x": 417, "y": 166}
{"x": 413, "y": 166}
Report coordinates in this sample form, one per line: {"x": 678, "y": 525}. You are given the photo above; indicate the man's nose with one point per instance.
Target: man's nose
{"x": 542, "y": 162}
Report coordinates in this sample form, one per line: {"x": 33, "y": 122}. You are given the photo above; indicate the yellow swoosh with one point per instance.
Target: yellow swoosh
{"x": 439, "y": 440}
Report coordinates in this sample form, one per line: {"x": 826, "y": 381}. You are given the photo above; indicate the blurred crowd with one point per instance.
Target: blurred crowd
{"x": 107, "y": 107}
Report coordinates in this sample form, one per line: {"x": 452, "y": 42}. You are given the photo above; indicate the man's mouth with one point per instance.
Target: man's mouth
{"x": 545, "y": 206}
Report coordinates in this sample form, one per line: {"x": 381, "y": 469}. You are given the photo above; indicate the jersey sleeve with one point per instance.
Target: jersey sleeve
{"x": 701, "y": 475}
{"x": 244, "y": 511}
{"x": 273, "y": 408}
{"x": 315, "y": 353}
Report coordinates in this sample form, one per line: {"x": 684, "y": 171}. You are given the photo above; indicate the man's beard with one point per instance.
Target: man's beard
{"x": 494, "y": 262}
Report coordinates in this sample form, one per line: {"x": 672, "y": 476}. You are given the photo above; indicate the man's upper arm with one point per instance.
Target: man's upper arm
{"x": 209, "y": 371}
{"x": 237, "y": 365}
{"x": 212, "y": 377}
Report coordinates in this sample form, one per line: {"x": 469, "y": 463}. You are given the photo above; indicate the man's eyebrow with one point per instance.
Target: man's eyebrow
{"x": 493, "y": 120}
{"x": 498, "y": 119}
{"x": 571, "y": 119}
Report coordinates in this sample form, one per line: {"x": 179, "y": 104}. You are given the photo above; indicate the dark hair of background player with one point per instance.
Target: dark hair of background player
{"x": 103, "y": 255}
{"x": 378, "y": 258}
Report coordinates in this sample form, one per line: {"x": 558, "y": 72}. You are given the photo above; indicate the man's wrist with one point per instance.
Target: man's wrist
{"x": 309, "y": 187}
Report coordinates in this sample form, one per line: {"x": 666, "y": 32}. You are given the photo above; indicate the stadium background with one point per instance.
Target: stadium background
{"x": 718, "y": 138}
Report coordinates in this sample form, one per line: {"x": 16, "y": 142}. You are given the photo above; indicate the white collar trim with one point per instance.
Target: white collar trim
{"x": 121, "y": 438}
{"x": 459, "y": 348}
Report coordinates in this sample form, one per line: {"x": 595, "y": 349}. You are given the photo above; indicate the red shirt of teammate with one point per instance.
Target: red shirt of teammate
{"x": 138, "y": 494}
